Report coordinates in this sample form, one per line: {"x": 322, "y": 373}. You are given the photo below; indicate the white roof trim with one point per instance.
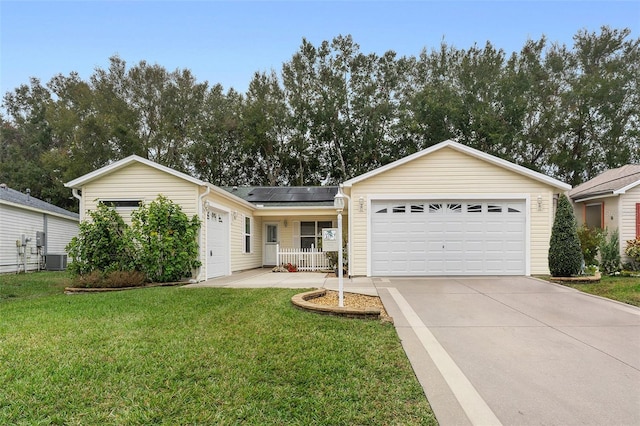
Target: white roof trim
{"x": 285, "y": 208}
{"x": 467, "y": 150}
{"x": 82, "y": 180}
{"x": 626, "y": 188}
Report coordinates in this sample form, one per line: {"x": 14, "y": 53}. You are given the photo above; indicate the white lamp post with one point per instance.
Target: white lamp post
{"x": 338, "y": 203}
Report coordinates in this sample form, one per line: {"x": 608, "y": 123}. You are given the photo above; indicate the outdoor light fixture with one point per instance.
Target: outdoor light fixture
{"x": 539, "y": 203}
{"x": 285, "y": 223}
{"x": 361, "y": 202}
{"x": 338, "y": 203}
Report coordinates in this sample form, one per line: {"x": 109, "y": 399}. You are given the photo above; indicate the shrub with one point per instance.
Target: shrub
{"x": 103, "y": 244}
{"x": 633, "y": 251}
{"x": 565, "y": 254}
{"x": 590, "y": 240}
{"x": 168, "y": 240}
{"x": 610, "y": 254}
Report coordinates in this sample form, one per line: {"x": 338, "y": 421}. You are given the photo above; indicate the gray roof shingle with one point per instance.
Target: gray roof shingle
{"x": 607, "y": 182}
{"x": 16, "y": 197}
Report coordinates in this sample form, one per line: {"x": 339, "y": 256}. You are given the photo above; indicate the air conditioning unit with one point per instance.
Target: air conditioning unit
{"x": 55, "y": 262}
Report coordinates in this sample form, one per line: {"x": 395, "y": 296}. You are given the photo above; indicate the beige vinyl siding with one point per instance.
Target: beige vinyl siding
{"x": 140, "y": 182}
{"x": 59, "y": 234}
{"x": 240, "y": 260}
{"x": 290, "y": 236}
{"x": 14, "y": 222}
{"x": 448, "y": 172}
{"x": 628, "y": 203}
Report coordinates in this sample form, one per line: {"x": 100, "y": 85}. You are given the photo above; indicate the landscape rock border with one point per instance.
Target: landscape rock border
{"x": 586, "y": 279}
{"x": 302, "y": 301}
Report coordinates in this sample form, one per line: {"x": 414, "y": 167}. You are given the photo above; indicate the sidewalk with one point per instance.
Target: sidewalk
{"x": 264, "y": 278}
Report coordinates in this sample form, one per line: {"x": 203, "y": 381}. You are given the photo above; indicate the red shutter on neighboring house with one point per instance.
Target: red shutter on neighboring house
{"x": 638, "y": 220}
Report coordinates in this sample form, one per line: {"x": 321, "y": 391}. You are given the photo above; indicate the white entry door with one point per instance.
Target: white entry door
{"x": 475, "y": 237}
{"x": 217, "y": 243}
{"x": 271, "y": 240}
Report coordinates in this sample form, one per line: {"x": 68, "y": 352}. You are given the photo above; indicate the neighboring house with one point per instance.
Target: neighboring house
{"x": 611, "y": 200}
{"x": 446, "y": 210}
{"x": 32, "y": 231}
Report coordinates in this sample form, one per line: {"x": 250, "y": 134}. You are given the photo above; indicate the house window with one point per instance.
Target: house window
{"x": 474, "y": 208}
{"x": 121, "y": 204}
{"x": 247, "y": 235}
{"x": 311, "y": 233}
{"x": 593, "y": 215}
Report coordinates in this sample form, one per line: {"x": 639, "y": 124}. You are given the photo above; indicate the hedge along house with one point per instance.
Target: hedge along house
{"x": 446, "y": 210}
{"x": 33, "y": 233}
{"x": 611, "y": 200}
{"x": 241, "y": 227}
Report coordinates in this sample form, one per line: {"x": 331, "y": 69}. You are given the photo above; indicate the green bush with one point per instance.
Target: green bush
{"x": 161, "y": 246}
{"x": 633, "y": 251}
{"x": 610, "y": 254}
{"x": 590, "y": 240}
{"x": 168, "y": 240}
{"x": 565, "y": 254}
{"x": 103, "y": 244}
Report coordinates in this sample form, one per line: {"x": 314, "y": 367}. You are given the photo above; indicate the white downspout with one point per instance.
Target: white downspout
{"x": 202, "y": 240}
{"x": 348, "y": 230}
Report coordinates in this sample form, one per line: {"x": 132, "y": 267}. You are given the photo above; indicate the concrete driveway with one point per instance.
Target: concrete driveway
{"x": 517, "y": 350}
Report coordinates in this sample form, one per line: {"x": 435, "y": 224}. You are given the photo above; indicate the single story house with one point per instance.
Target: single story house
{"x": 446, "y": 210}
{"x": 33, "y": 233}
{"x": 611, "y": 200}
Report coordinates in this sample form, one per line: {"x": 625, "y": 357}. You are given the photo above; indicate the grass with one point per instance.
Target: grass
{"x": 622, "y": 289}
{"x": 196, "y": 356}
{"x": 32, "y": 285}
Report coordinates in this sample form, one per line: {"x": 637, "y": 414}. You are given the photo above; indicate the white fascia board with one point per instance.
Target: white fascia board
{"x": 595, "y": 197}
{"x": 36, "y": 210}
{"x": 78, "y": 182}
{"x": 626, "y": 188}
{"x": 467, "y": 150}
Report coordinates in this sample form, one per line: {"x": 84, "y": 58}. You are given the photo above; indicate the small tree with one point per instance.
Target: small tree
{"x": 590, "y": 241}
{"x": 103, "y": 244}
{"x": 167, "y": 239}
{"x": 565, "y": 255}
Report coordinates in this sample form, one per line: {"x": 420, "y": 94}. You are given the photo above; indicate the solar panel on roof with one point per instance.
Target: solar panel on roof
{"x": 293, "y": 194}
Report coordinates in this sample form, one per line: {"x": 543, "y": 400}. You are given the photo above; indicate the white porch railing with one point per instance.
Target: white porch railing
{"x": 310, "y": 259}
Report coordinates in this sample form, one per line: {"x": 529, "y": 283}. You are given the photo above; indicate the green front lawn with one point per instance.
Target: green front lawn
{"x": 195, "y": 356}
{"x": 622, "y": 289}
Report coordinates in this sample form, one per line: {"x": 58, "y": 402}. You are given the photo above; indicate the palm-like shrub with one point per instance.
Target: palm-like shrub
{"x": 565, "y": 253}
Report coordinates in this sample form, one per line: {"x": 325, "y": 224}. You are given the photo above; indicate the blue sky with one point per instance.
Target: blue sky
{"x": 226, "y": 42}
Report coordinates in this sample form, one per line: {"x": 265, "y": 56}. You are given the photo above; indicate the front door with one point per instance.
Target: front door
{"x": 271, "y": 243}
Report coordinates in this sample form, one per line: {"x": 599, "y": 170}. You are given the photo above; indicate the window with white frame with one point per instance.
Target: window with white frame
{"x": 311, "y": 233}
{"x": 247, "y": 235}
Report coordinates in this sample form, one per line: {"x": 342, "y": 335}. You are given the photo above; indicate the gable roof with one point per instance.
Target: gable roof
{"x": 96, "y": 174}
{"x": 466, "y": 150}
{"x": 286, "y": 196}
{"x": 612, "y": 182}
{"x": 18, "y": 199}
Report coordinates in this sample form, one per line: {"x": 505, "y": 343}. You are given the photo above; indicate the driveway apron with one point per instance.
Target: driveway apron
{"x": 518, "y": 350}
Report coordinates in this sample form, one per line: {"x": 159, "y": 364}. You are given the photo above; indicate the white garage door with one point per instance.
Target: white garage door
{"x": 217, "y": 243}
{"x": 448, "y": 238}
